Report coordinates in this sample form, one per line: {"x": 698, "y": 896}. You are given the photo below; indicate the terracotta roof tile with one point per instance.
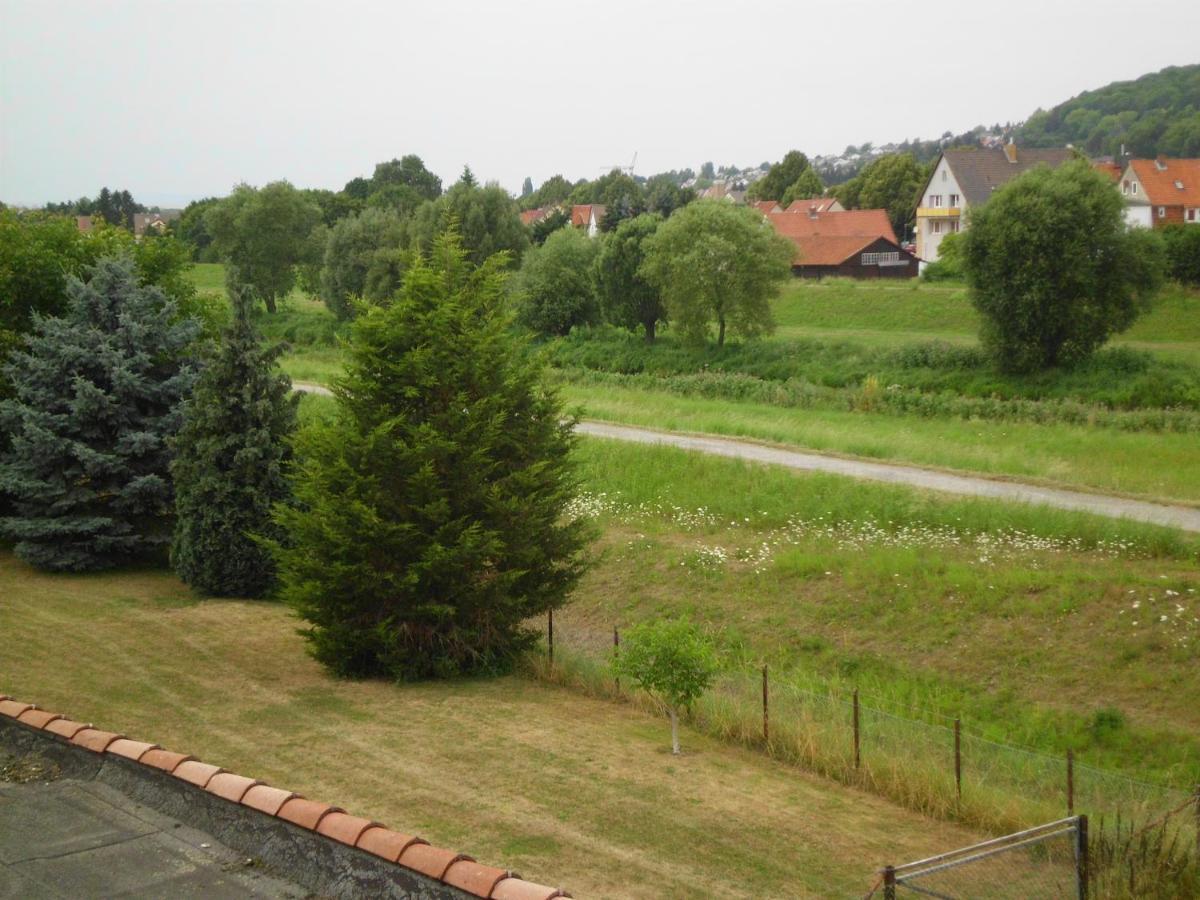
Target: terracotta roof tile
{"x": 456, "y": 869}
{"x": 267, "y": 799}
{"x": 195, "y": 772}
{"x": 1159, "y": 179}
{"x": 344, "y": 828}
{"x": 474, "y": 878}
{"x": 430, "y": 860}
{"x": 305, "y": 813}
{"x": 94, "y": 739}
{"x": 37, "y": 718}
{"x": 387, "y": 843}
{"x": 164, "y": 759}
{"x": 13, "y": 708}
{"x": 517, "y": 889}
{"x": 231, "y": 787}
{"x": 65, "y": 728}
{"x": 134, "y": 750}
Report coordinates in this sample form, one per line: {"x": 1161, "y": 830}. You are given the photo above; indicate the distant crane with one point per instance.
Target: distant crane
{"x": 628, "y": 170}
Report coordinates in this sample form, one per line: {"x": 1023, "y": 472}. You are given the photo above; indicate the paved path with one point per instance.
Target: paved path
{"x": 1183, "y": 517}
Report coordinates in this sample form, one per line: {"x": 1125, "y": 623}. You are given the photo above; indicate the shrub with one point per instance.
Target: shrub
{"x": 556, "y": 287}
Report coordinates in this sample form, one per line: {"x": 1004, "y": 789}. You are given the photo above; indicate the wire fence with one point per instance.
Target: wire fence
{"x": 933, "y": 764}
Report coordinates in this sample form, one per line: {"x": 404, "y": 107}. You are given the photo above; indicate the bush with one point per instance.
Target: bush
{"x": 1183, "y": 253}
{"x": 429, "y": 519}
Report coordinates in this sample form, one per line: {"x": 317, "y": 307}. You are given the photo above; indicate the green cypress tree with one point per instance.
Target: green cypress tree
{"x": 97, "y": 399}
{"x": 229, "y": 464}
{"x": 429, "y": 522}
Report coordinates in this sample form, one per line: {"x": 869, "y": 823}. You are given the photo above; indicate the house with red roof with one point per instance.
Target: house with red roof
{"x": 588, "y": 216}
{"x": 815, "y": 204}
{"x": 856, "y": 243}
{"x": 1161, "y": 192}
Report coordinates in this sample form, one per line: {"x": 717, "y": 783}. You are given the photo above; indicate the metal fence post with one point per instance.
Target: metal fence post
{"x": 958, "y": 759}
{"x": 1081, "y": 856}
{"x": 550, "y": 636}
{"x": 857, "y": 757}
{"x": 889, "y": 883}
{"x": 1070, "y": 782}
{"x": 766, "y": 713}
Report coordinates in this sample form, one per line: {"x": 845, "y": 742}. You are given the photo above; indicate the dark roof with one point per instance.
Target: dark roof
{"x": 980, "y": 171}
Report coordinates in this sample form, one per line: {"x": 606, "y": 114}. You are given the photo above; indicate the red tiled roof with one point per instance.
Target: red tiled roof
{"x": 581, "y": 213}
{"x": 830, "y": 238}
{"x": 811, "y": 204}
{"x": 856, "y": 222}
{"x": 1110, "y": 170}
{"x": 529, "y": 216}
{"x": 1162, "y": 184}
{"x": 766, "y": 207}
{"x": 406, "y": 850}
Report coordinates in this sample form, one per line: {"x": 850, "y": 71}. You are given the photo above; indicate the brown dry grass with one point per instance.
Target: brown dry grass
{"x": 560, "y": 787}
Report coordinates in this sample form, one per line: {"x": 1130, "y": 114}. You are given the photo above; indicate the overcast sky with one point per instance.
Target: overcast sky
{"x": 176, "y": 100}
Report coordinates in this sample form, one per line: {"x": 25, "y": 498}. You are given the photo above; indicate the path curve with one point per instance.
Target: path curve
{"x": 1182, "y": 517}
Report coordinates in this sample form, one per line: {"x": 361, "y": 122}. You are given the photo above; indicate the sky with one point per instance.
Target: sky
{"x": 175, "y": 100}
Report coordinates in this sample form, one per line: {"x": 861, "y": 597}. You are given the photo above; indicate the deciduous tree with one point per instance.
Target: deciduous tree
{"x": 556, "y": 287}
{"x": 1053, "y": 269}
{"x": 627, "y": 298}
{"x": 716, "y": 262}
{"x": 671, "y": 659}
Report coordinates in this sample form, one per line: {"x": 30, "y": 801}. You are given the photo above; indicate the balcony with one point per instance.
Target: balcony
{"x": 938, "y": 212}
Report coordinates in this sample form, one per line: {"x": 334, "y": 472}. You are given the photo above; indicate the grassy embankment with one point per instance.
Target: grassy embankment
{"x": 1125, "y": 425}
{"x": 563, "y": 788}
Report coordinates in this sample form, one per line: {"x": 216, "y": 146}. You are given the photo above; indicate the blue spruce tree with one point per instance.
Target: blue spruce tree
{"x": 97, "y": 400}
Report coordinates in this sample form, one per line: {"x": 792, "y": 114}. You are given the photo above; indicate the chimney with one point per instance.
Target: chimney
{"x": 1010, "y": 151}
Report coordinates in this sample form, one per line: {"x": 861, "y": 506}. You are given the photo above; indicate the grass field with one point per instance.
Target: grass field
{"x": 563, "y": 788}
{"x": 1163, "y": 466}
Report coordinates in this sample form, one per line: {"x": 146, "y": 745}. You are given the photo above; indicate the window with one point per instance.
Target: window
{"x": 1135, "y": 187}
{"x": 1162, "y": 212}
{"x": 870, "y": 259}
{"x": 935, "y": 200}
{"x": 937, "y": 226}
{"x": 1191, "y": 215}
{"x": 953, "y": 200}
{"x": 943, "y": 174}
{"x": 1125, "y": 186}
{"x": 953, "y": 226}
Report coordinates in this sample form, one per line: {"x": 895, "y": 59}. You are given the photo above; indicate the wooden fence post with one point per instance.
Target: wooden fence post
{"x": 766, "y": 713}
{"x": 857, "y": 757}
{"x": 889, "y": 883}
{"x": 616, "y": 650}
{"x": 1082, "y": 863}
{"x": 1198, "y": 821}
{"x": 1070, "y": 782}
{"x": 958, "y": 759}
{"x": 550, "y": 636}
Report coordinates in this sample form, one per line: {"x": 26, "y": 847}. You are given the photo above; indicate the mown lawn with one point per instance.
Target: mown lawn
{"x": 563, "y": 788}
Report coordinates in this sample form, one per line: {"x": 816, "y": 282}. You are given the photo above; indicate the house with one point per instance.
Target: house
{"x": 588, "y": 216}
{"x": 83, "y": 223}
{"x": 815, "y": 204}
{"x": 857, "y": 243}
{"x": 159, "y": 221}
{"x": 965, "y": 178}
{"x": 1161, "y": 192}
{"x": 530, "y": 216}
{"x": 766, "y": 207}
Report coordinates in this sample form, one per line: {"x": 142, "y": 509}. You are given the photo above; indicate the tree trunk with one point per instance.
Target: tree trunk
{"x": 649, "y": 326}
{"x": 270, "y": 301}
{"x": 674, "y": 732}
{"x": 721, "y": 332}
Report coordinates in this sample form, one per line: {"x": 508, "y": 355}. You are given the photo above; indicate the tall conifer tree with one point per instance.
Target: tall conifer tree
{"x": 98, "y": 395}
{"x": 229, "y": 463}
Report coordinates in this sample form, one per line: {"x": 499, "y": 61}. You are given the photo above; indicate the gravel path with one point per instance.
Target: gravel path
{"x": 1183, "y": 517}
